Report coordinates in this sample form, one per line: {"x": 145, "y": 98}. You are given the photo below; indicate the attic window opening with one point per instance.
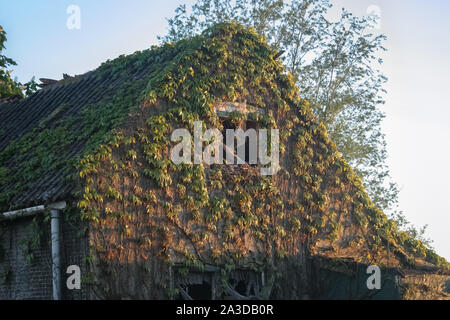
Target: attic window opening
{"x": 250, "y": 144}
{"x": 250, "y": 125}
{"x": 227, "y": 124}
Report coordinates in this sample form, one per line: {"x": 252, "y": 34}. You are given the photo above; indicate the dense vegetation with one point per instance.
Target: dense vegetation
{"x": 334, "y": 61}
{"x": 139, "y": 204}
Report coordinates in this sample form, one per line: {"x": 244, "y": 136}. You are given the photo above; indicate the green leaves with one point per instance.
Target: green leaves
{"x": 334, "y": 63}
{"x": 8, "y": 86}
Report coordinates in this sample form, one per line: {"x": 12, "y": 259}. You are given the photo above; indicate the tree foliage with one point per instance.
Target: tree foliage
{"x": 8, "y": 86}
{"x": 335, "y": 64}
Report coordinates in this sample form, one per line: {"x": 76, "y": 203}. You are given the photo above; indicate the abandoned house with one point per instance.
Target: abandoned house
{"x": 86, "y": 180}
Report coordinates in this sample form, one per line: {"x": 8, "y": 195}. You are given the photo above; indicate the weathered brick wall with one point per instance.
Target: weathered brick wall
{"x": 74, "y": 249}
{"x": 25, "y": 280}
{"x": 21, "y": 279}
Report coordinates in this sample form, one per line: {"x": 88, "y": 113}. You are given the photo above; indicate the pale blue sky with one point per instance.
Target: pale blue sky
{"x": 417, "y": 65}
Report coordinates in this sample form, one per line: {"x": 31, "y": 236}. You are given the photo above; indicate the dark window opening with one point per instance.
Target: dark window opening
{"x": 247, "y": 150}
{"x": 227, "y": 124}
{"x": 249, "y": 125}
{"x": 243, "y": 287}
{"x": 199, "y": 291}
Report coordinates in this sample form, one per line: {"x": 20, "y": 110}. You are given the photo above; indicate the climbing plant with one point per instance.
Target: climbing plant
{"x": 146, "y": 214}
{"x": 199, "y": 215}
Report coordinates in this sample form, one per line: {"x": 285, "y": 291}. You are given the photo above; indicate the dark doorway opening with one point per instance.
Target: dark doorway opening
{"x": 200, "y": 291}
{"x": 243, "y": 287}
{"x": 245, "y": 125}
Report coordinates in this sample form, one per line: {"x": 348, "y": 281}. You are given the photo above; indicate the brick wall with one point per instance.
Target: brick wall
{"x": 21, "y": 279}
{"x": 74, "y": 249}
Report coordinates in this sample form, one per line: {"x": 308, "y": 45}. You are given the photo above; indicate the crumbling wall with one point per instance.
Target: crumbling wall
{"x": 335, "y": 279}
{"x": 426, "y": 286}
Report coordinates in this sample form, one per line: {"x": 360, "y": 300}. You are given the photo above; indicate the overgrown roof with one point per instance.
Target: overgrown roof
{"x": 45, "y": 137}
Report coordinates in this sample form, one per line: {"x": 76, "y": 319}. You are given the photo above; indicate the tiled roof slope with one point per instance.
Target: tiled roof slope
{"x": 21, "y": 117}
{"x": 27, "y": 180}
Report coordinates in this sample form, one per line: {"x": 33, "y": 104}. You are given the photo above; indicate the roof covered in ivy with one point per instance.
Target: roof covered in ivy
{"x": 63, "y": 132}
{"x": 42, "y": 136}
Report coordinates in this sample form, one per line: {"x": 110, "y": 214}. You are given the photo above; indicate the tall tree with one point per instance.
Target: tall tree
{"x": 8, "y": 86}
{"x": 335, "y": 64}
